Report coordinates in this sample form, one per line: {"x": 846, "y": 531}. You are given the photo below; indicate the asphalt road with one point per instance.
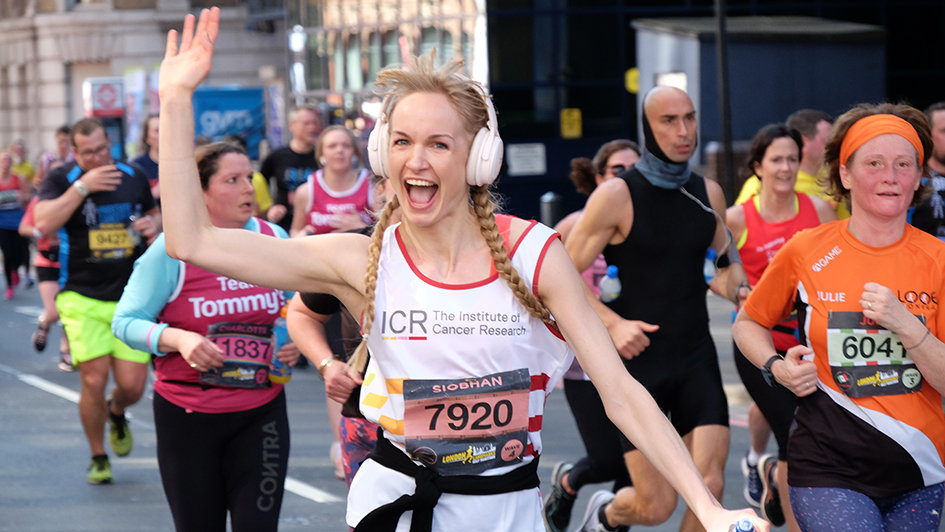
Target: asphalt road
{"x": 44, "y": 454}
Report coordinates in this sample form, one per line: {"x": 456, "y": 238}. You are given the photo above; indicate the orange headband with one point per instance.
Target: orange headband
{"x": 873, "y": 126}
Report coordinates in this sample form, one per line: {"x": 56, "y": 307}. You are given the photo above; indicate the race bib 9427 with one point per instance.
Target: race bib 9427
{"x": 868, "y": 360}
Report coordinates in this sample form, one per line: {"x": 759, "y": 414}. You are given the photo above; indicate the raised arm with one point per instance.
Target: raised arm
{"x": 628, "y": 404}
{"x": 332, "y": 264}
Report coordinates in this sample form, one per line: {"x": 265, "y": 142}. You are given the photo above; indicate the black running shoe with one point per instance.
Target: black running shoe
{"x": 558, "y": 505}
{"x": 771, "y": 499}
{"x": 40, "y": 335}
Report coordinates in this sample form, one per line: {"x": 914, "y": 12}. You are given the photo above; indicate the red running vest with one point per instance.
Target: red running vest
{"x": 764, "y": 239}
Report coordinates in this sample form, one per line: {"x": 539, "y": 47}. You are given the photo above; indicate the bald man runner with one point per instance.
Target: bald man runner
{"x": 655, "y": 223}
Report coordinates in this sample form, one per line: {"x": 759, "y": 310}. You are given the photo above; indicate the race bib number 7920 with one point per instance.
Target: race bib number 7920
{"x": 466, "y": 426}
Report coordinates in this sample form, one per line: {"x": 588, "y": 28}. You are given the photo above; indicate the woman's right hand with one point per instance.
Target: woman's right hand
{"x": 796, "y": 374}
{"x": 186, "y": 66}
{"x": 198, "y": 351}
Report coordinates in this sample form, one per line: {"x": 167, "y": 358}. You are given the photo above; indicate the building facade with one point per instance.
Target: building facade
{"x": 49, "y": 47}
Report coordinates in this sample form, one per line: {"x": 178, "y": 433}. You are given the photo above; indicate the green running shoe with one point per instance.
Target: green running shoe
{"x": 100, "y": 471}
{"x": 120, "y": 434}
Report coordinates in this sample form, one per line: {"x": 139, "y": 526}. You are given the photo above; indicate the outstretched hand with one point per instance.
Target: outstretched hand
{"x": 185, "y": 66}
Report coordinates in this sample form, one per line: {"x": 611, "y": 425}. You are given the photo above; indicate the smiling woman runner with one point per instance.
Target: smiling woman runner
{"x": 466, "y": 409}
{"x": 222, "y": 428}
{"x": 868, "y": 437}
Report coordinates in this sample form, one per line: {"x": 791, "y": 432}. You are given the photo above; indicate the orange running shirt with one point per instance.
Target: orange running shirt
{"x": 874, "y": 425}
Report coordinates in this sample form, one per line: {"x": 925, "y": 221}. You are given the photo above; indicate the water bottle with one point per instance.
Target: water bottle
{"x": 133, "y": 234}
{"x": 610, "y": 285}
{"x": 742, "y": 525}
{"x": 708, "y": 269}
{"x": 279, "y": 372}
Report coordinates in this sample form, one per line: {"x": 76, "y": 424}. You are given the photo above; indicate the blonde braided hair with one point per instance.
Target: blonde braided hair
{"x": 484, "y": 207}
{"x": 359, "y": 358}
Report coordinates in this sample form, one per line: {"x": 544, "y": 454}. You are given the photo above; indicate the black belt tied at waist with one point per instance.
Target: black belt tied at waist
{"x": 430, "y": 485}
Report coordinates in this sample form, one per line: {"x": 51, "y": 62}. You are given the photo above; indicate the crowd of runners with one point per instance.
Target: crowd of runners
{"x": 441, "y": 325}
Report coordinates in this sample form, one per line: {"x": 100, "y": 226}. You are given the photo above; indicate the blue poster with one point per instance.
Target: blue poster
{"x": 238, "y": 111}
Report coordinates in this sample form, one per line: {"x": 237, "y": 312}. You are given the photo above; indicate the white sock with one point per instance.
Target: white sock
{"x": 753, "y": 457}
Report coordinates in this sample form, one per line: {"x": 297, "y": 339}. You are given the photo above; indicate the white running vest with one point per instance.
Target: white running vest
{"x": 479, "y": 342}
{"x": 466, "y": 335}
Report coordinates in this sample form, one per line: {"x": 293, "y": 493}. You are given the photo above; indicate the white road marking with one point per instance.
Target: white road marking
{"x": 309, "y": 492}
{"x": 291, "y": 485}
{"x": 29, "y": 310}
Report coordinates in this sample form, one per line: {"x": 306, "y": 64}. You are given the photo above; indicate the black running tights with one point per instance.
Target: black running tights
{"x": 214, "y": 463}
{"x": 16, "y": 252}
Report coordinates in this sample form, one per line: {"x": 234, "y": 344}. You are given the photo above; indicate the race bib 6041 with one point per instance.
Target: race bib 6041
{"x": 868, "y": 360}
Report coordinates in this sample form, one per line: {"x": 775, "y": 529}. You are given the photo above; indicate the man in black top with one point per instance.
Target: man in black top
{"x": 289, "y": 166}
{"x": 656, "y": 223}
{"x": 105, "y": 215}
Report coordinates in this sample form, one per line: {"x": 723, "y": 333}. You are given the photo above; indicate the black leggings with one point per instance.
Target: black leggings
{"x": 604, "y": 461}
{"x": 16, "y": 252}
{"x": 211, "y": 463}
{"x": 777, "y": 403}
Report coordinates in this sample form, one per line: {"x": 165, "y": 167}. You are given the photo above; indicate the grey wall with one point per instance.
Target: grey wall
{"x": 768, "y": 81}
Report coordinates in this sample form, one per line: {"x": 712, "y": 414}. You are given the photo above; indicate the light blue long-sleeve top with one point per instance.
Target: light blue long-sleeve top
{"x": 153, "y": 282}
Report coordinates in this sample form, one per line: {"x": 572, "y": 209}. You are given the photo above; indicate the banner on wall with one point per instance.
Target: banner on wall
{"x": 240, "y": 112}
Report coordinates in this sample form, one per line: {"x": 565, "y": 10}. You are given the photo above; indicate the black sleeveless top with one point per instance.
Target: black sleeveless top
{"x": 660, "y": 263}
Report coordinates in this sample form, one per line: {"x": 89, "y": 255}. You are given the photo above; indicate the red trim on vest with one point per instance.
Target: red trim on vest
{"x": 539, "y": 382}
{"x": 503, "y": 223}
{"x": 534, "y": 424}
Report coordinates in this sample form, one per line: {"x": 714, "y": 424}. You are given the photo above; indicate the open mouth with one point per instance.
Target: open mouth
{"x": 420, "y": 192}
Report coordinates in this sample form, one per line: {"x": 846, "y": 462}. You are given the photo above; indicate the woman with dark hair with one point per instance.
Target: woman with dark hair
{"x": 867, "y": 444}
{"x": 604, "y": 460}
{"x": 455, "y": 304}
{"x": 148, "y": 160}
{"x": 222, "y": 427}
{"x": 761, "y": 226}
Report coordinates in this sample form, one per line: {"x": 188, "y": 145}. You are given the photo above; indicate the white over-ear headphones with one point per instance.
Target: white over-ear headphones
{"x": 485, "y": 152}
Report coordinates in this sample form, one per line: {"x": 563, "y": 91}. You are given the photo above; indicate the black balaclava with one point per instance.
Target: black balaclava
{"x": 654, "y": 165}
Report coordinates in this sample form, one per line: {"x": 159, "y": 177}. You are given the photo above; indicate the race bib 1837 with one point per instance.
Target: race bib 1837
{"x": 247, "y": 348}
{"x": 466, "y": 426}
{"x": 868, "y": 360}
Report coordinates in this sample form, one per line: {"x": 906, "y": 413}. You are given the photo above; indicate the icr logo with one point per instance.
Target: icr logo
{"x": 400, "y": 322}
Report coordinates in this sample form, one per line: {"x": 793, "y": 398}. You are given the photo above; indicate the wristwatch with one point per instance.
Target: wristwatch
{"x": 766, "y": 370}
{"x": 81, "y": 188}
